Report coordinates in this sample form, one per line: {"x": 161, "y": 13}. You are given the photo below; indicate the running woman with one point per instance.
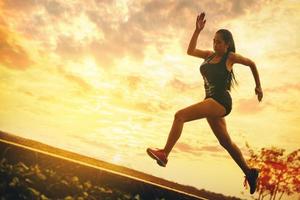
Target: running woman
{"x": 218, "y": 76}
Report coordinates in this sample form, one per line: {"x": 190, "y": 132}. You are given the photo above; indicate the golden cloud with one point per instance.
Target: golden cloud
{"x": 12, "y": 54}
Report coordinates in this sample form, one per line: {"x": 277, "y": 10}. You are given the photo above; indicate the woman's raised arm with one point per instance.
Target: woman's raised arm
{"x": 200, "y": 23}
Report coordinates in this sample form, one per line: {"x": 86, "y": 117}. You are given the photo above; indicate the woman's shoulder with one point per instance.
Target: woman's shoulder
{"x": 231, "y": 55}
{"x": 237, "y": 58}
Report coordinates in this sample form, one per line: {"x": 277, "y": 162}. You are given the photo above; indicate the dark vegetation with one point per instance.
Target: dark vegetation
{"x": 29, "y": 174}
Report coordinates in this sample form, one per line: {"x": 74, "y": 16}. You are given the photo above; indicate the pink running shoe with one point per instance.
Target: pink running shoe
{"x": 159, "y": 155}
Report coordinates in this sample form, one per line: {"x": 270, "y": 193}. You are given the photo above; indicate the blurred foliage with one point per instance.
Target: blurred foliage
{"x": 19, "y": 181}
{"x": 279, "y": 173}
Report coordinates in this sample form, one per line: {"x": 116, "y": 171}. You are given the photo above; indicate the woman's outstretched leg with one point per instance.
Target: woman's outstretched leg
{"x": 206, "y": 108}
{"x": 218, "y": 125}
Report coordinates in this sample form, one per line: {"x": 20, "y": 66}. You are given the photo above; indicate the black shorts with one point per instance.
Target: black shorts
{"x": 224, "y": 99}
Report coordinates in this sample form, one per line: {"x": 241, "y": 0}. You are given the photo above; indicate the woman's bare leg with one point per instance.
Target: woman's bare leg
{"x": 218, "y": 126}
{"x": 206, "y": 108}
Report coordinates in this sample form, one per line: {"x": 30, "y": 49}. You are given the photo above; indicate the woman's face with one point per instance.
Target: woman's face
{"x": 219, "y": 44}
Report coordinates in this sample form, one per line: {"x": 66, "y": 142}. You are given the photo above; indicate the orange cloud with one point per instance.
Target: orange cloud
{"x": 150, "y": 106}
{"x": 249, "y": 106}
{"x": 51, "y": 99}
{"x": 12, "y": 54}
{"x": 133, "y": 81}
{"x": 284, "y": 88}
{"x": 18, "y": 5}
{"x": 146, "y": 106}
{"x": 125, "y": 33}
{"x": 184, "y": 147}
{"x": 187, "y": 148}
{"x": 181, "y": 86}
{"x": 76, "y": 79}
{"x": 211, "y": 148}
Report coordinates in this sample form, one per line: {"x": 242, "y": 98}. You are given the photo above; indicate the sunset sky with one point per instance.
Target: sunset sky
{"x": 104, "y": 79}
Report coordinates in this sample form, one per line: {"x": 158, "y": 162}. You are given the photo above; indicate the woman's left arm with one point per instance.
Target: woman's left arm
{"x": 236, "y": 58}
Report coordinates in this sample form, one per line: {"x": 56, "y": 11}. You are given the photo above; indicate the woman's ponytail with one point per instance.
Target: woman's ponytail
{"x": 228, "y": 39}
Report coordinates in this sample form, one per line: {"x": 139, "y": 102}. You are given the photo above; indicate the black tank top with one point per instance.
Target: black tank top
{"x": 216, "y": 76}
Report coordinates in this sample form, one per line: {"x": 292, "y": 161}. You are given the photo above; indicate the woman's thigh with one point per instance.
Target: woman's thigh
{"x": 218, "y": 126}
{"x": 206, "y": 108}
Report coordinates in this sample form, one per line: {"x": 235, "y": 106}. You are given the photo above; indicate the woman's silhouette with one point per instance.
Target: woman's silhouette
{"x": 218, "y": 80}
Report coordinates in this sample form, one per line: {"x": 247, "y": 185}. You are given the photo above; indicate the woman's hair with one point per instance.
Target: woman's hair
{"x": 228, "y": 39}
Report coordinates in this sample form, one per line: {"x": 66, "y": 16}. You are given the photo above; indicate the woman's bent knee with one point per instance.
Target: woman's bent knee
{"x": 179, "y": 116}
